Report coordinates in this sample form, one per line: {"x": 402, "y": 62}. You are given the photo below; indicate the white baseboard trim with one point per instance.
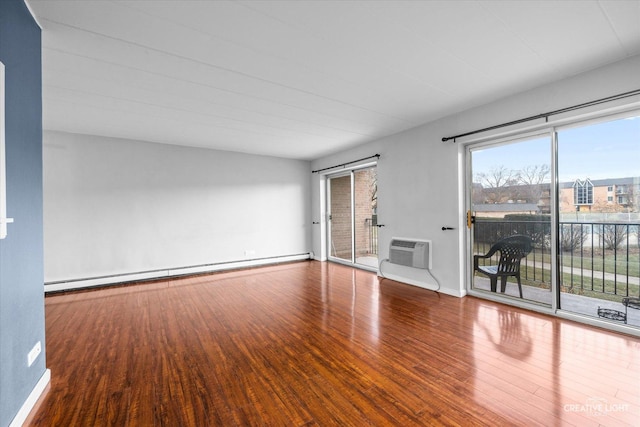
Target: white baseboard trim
{"x": 415, "y": 277}
{"x": 424, "y": 285}
{"x": 66, "y": 285}
{"x": 28, "y": 404}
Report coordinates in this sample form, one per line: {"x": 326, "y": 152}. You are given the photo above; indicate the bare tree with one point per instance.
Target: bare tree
{"x": 534, "y": 174}
{"x": 496, "y": 183}
{"x": 534, "y": 177}
{"x": 477, "y": 194}
{"x": 573, "y": 236}
{"x": 636, "y": 231}
{"x": 608, "y": 207}
{"x": 498, "y": 176}
{"x": 373, "y": 188}
{"x": 613, "y": 235}
{"x": 632, "y": 198}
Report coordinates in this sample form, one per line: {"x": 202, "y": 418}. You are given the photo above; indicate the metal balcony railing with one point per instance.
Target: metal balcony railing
{"x": 593, "y": 257}
{"x": 372, "y": 230}
{"x": 601, "y": 257}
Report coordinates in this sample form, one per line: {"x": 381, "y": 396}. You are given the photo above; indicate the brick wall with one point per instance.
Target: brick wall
{"x": 341, "y": 213}
{"x": 364, "y": 180}
{"x": 341, "y": 217}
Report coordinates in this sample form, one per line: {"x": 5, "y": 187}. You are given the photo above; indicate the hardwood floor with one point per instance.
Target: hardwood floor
{"x": 321, "y": 344}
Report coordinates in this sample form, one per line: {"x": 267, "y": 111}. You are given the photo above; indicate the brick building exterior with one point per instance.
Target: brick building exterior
{"x": 341, "y": 221}
{"x": 586, "y": 196}
{"x": 601, "y": 195}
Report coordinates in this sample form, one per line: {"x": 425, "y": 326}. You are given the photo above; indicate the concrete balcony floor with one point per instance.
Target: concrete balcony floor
{"x": 569, "y": 302}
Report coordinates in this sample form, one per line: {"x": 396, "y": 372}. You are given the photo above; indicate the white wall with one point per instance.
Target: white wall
{"x": 114, "y": 207}
{"x": 421, "y": 178}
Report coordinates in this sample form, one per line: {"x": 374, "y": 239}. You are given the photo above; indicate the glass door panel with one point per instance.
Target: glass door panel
{"x": 511, "y": 196}
{"x": 599, "y": 220}
{"x": 352, "y": 220}
{"x": 340, "y": 218}
{"x": 365, "y": 224}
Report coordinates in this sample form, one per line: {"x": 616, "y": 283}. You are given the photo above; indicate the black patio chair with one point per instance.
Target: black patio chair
{"x": 512, "y": 249}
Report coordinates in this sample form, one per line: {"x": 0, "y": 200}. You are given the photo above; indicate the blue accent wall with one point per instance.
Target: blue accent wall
{"x": 21, "y": 253}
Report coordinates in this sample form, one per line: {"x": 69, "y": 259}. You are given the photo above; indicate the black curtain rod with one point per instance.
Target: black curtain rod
{"x": 377, "y": 156}
{"x": 546, "y": 115}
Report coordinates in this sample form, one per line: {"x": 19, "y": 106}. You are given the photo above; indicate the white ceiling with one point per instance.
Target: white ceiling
{"x": 307, "y": 78}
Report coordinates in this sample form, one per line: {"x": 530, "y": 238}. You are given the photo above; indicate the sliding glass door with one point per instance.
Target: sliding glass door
{"x": 352, "y": 220}
{"x": 511, "y": 211}
{"x": 572, "y": 195}
{"x": 340, "y": 218}
{"x": 599, "y": 219}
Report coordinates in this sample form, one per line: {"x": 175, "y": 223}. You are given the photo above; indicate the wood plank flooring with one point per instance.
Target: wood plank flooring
{"x": 321, "y": 344}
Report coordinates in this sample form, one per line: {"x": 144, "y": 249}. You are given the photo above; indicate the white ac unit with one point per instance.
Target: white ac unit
{"x": 414, "y": 253}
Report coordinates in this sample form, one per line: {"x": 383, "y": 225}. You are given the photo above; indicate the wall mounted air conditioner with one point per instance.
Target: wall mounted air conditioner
{"x": 414, "y": 253}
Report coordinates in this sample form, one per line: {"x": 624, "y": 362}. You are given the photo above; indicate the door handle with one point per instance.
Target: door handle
{"x": 471, "y": 219}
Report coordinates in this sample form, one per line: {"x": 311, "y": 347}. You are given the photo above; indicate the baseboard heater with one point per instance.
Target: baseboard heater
{"x": 410, "y": 262}
{"x": 66, "y": 285}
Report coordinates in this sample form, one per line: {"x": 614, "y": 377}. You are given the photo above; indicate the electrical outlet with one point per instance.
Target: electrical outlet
{"x": 34, "y": 353}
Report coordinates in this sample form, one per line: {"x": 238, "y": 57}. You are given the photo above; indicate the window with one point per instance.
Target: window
{"x": 610, "y": 188}
{"x": 609, "y": 198}
{"x": 582, "y": 192}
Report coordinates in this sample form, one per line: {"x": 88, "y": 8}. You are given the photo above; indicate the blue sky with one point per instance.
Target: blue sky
{"x": 604, "y": 150}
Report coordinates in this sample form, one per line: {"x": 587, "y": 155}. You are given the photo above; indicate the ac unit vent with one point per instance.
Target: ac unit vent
{"x": 403, "y": 244}
{"x": 414, "y": 253}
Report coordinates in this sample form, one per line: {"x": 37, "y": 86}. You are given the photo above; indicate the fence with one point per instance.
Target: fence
{"x": 596, "y": 257}
{"x": 371, "y": 225}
